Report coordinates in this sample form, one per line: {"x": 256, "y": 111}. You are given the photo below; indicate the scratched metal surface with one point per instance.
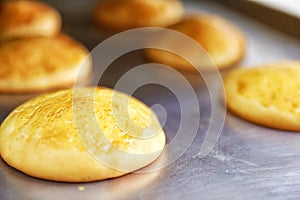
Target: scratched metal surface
{"x": 248, "y": 162}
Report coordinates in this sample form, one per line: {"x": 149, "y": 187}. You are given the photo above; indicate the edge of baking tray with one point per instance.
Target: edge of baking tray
{"x": 278, "y": 19}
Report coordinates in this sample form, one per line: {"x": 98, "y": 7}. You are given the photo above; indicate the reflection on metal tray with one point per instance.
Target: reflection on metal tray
{"x": 248, "y": 162}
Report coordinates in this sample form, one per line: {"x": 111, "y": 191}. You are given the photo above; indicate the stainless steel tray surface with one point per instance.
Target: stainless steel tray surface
{"x": 248, "y": 161}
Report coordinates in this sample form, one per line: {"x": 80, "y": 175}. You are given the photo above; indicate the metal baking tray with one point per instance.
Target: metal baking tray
{"x": 247, "y": 162}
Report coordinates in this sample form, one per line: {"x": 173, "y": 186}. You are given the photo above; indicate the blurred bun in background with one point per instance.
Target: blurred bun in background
{"x": 19, "y": 19}
{"x": 223, "y": 41}
{"x": 119, "y": 15}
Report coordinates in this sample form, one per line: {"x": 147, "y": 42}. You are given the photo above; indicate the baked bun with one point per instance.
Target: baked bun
{"x": 267, "y": 95}
{"x": 19, "y": 19}
{"x": 119, "y": 15}
{"x": 39, "y": 64}
{"x": 223, "y": 41}
{"x": 81, "y": 135}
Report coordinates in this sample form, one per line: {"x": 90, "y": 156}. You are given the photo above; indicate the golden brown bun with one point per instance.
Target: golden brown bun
{"x": 43, "y": 137}
{"x": 118, "y": 15}
{"x": 19, "y": 19}
{"x": 267, "y": 95}
{"x": 39, "y": 64}
{"x": 223, "y": 41}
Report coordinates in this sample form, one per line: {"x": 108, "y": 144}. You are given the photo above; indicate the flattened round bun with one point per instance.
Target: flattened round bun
{"x": 19, "y": 19}
{"x": 223, "y": 41}
{"x": 119, "y": 15}
{"x": 39, "y": 64}
{"x": 43, "y": 137}
{"x": 267, "y": 95}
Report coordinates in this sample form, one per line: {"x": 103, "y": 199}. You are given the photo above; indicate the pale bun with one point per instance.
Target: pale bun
{"x": 53, "y": 136}
{"x": 267, "y": 95}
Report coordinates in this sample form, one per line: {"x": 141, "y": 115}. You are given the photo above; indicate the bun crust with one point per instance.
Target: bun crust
{"x": 44, "y": 139}
{"x": 119, "y": 15}
{"x": 223, "y": 42}
{"x": 267, "y": 95}
{"x": 19, "y": 19}
{"x": 39, "y": 64}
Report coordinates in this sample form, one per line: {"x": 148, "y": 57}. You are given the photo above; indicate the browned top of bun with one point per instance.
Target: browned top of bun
{"x": 36, "y": 64}
{"x": 126, "y": 14}
{"x": 28, "y": 19}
